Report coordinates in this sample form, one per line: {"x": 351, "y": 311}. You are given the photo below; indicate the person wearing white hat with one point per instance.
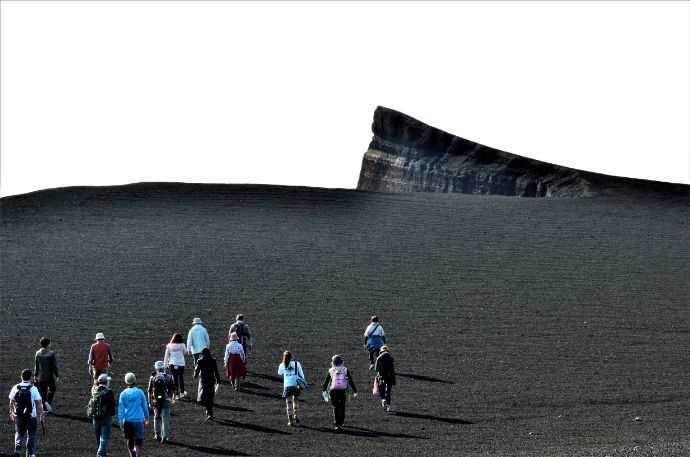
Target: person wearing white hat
{"x": 101, "y": 411}
{"x": 100, "y": 357}
{"x": 161, "y": 398}
{"x": 133, "y": 415}
{"x": 197, "y": 340}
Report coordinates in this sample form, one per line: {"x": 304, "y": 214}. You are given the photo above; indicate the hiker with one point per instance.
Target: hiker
{"x": 26, "y": 410}
{"x": 197, "y": 340}
{"x": 174, "y": 360}
{"x": 209, "y": 380}
{"x": 245, "y": 336}
{"x": 161, "y": 398}
{"x": 385, "y": 376}
{"x": 293, "y": 378}
{"x": 46, "y": 374}
{"x": 235, "y": 358}
{"x": 374, "y": 338}
{"x": 100, "y": 357}
{"x": 338, "y": 386}
{"x": 133, "y": 415}
{"x": 101, "y": 409}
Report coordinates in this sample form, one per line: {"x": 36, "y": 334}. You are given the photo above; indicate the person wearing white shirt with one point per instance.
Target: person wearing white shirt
{"x": 374, "y": 338}
{"x": 26, "y": 410}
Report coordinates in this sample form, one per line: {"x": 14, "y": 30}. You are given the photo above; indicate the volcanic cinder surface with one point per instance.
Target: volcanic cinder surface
{"x": 406, "y": 155}
{"x": 519, "y": 326}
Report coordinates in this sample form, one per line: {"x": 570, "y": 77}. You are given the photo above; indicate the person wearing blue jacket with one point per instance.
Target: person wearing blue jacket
{"x": 197, "y": 340}
{"x": 132, "y": 415}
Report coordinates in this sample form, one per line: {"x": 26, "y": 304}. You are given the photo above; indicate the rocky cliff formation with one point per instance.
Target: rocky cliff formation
{"x": 407, "y": 155}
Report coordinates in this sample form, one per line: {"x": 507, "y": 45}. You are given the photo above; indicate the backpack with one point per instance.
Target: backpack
{"x": 95, "y": 407}
{"x": 241, "y": 332}
{"x": 339, "y": 379}
{"x": 23, "y": 404}
{"x": 160, "y": 388}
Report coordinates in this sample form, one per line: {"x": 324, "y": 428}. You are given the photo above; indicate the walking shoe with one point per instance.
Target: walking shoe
{"x": 290, "y": 423}
{"x": 47, "y": 408}
{"x": 177, "y": 397}
{"x": 183, "y": 394}
{"x": 337, "y": 428}
{"x": 157, "y": 438}
{"x": 295, "y": 419}
{"x": 165, "y": 441}
{"x": 209, "y": 417}
{"x": 383, "y": 403}
{"x": 371, "y": 367}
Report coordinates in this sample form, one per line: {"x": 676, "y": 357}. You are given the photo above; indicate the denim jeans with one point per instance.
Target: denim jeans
{"x": 101, "y": 428}
{"x": 161, "y": 419}
{"x": 23, "y": 427}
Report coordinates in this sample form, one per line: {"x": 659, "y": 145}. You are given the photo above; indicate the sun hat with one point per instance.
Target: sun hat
{"x": 159, "y": 365}
{"x": 130, "y": 379}
{"x": 100, "y": 336}
{"x": 384, "y": 348}
{"x": 104, "y": 379}
{"x": 197, "y": 320}
{"x": 234, "y": 337}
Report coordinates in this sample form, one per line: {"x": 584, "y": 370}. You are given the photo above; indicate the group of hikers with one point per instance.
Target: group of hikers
{"x": 34, "y": 395}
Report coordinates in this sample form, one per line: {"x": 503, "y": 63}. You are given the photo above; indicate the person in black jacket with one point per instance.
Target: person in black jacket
{"x": 385, "y": 371}
{"x": 208, "y": 382}
{"x": 338, "y": 385}
{"x": 102, "y": 425}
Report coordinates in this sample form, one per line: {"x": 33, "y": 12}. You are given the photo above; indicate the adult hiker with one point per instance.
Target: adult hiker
{"x": 235, "y": 358}
{"x": 174, "y": 360}
{"x": 293, "y": 382}
{"x": 133, "y": 415}
{"x": 46, "y": 373}
{"x": 197, "y": 340}
{"x": 26, "y": 410}
{"x": 338, "y": 385}
{"x": 245, "y": 335}
{"x": 101, "y": 409}
{"x": 161, "y": 398}
{"x": 100, "y": 357}
{"x": 385, "y": 376}
{"x": 209, "y": 380}
{"x": 374, "y": 338}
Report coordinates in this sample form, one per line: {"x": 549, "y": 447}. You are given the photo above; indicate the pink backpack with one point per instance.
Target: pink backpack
{"x": 339, "y": 378}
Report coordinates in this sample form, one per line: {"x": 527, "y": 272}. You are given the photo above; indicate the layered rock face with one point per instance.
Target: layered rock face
{"x": 407, "y": 155}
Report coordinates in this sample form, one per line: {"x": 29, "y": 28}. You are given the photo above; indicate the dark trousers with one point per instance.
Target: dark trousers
{"x": 338, "y": 402}
{"x": 373, "y": 355}
{"x": 25, "y": 429}
{"x": 196, "y": 358}
{"x": 47, "y": 390}
{"x": 178, "y": 378}
{"x": 386, "y": 392}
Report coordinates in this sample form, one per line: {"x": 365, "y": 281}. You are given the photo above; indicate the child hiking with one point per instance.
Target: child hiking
{"x": 338, "y": 385}
{"x": 235, "y": 358}
{"x": 293, "y": 377}
{"x": 133, "y": 415}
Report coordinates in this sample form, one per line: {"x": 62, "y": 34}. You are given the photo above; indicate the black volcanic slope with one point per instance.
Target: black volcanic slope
{"x": 530, "y": 327}
{"x": 407, "y": 155}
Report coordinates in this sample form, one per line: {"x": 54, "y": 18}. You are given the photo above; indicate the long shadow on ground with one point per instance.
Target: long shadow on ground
{"x": 207, "y": 450}
{"x": 448, "y": 420}
{"x": 270, "y": 377}
{"x": 253, "y": 427}
{"x": 423, "y": 378}
{"x": 364, "y": 432}
{"x": 238, "y": 409}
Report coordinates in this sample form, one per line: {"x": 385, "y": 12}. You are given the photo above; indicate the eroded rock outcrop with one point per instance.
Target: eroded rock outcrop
{"x": 407, "y": 155}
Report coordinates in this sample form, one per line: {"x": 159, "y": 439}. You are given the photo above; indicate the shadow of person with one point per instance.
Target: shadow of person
{"x": 206, "y": 449}
{"x": 448, "y": 420}
{"x": 419, "y": 377}
{"x": 253, "y": 427}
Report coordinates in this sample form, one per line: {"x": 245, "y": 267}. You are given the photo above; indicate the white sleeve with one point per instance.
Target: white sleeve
{"x": 13, "y": 392}
{"x": 35, "y": 396}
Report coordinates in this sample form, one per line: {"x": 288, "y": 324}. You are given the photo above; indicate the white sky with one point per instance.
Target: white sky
{"x": 101, "y": 93}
